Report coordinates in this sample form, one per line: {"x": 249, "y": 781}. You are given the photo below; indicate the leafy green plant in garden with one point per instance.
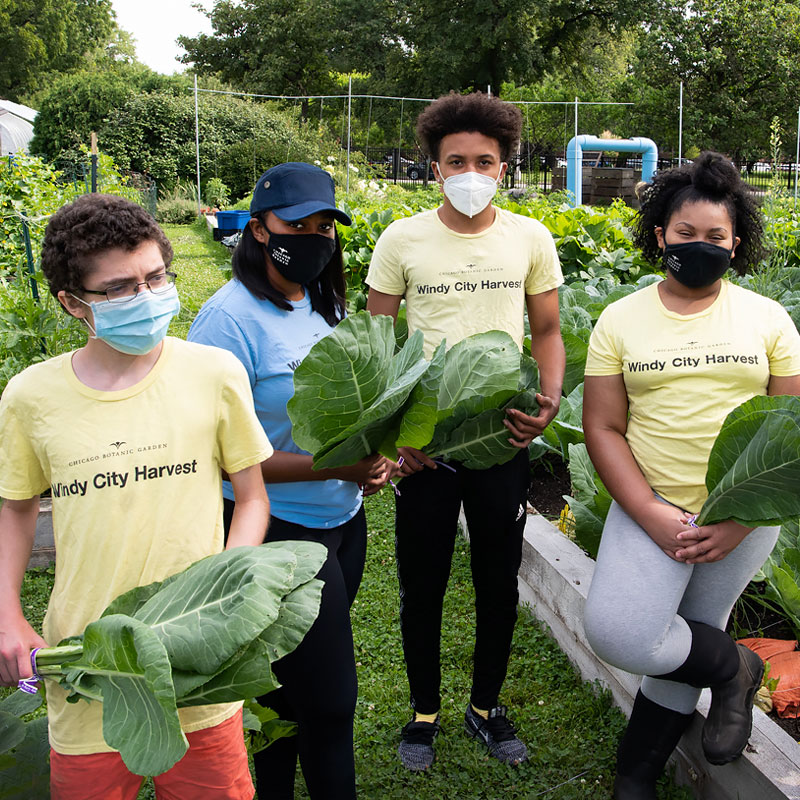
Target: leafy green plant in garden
{"x": 590, "y": 243}
{"x": 217, "y": 194}
{"x": 177, "y": 205}
{"x": 457, "y": 409}
{"x": 24, "y": 749}
{"x": 590, "y": 501}
{"x": 32, "y": 329}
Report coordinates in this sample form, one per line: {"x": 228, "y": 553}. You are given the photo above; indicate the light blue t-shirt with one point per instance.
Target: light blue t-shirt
{"x": 271, "y": 343}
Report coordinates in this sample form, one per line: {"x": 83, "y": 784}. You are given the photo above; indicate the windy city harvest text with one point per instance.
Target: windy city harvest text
{"x": 103, "y": 480}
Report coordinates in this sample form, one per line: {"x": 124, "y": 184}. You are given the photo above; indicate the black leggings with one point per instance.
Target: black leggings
{"x": 426, "y": 525}
{"x": 318, "y": 680}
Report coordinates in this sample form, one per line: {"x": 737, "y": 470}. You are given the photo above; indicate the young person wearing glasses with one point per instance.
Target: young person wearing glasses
{"x": 130, "y": 433}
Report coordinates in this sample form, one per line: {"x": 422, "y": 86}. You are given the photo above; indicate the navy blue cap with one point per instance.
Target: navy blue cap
{"x": 296, "y": 190}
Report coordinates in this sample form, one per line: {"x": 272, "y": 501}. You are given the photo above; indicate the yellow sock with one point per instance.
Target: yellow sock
{"x": 480, "y": 712}
{"x": 425, "y": 717}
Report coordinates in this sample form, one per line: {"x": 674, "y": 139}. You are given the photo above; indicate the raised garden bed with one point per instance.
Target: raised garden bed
{"x": 554, "y": 582}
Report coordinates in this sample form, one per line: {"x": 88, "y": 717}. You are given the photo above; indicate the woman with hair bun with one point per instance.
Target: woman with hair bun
{"x": 665, "y": 367}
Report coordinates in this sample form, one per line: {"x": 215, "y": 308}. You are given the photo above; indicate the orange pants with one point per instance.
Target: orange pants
{"x": 214, "y": 768}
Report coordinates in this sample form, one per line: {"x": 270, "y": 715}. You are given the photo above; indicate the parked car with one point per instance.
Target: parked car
{"x": 416, "y": 170}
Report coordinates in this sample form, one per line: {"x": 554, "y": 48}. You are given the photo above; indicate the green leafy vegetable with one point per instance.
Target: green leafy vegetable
{"x": 24, "y": 749}
{"x": 206, "y": 635}
{"x": 457, "y": 409}
{"x": 591, "y": 500}
{"x": 349, "y": 389}
{"x": 754, "y": 468}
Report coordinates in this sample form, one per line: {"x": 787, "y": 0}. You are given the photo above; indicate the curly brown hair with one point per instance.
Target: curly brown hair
{"x": 472, "y": 113}
{"x": 711, "y": 177}
{"x": 92, "y": 224}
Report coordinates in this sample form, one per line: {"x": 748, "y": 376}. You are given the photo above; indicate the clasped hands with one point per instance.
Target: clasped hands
{"x": 672, "y": 530}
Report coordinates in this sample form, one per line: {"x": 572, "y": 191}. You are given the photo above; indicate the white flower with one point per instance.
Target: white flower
{"x": 331, "y": 159}
{"x": 355, "y": 169}
{"x": 317, "y": 162}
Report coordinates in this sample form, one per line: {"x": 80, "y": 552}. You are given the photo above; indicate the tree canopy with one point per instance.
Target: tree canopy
{"x": 39, "y": 37}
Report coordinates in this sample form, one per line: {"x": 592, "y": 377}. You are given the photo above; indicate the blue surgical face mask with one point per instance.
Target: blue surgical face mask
{"x": 135, "y": 327}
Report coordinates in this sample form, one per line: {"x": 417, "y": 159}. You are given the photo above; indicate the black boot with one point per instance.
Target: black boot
{"x": 652, "y": 734}
{"x": 730, "y": 718}
{"x": 734, "y": 674}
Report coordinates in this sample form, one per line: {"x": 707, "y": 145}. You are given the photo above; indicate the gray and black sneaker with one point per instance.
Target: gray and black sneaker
{"x": 416, "y": 747}
{"x": 497, "y": 733}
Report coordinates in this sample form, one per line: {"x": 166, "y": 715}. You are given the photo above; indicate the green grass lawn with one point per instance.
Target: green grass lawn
{"x": 570, "y": 727}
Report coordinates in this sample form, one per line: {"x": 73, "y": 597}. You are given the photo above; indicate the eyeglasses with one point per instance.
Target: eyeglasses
{"x": 125, "y": 292}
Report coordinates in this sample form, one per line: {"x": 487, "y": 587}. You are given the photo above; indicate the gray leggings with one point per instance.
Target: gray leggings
{"x": 640, "y": 597}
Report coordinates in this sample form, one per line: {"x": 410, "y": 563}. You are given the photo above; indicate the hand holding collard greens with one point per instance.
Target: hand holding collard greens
{"x": 753, "y": 473}
{"x": 354, "y": 395}
{"x": 206, "y": 635}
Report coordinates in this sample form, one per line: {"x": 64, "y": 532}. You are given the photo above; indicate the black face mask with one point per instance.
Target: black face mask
{"x": 301, "y": 257}
{"x": 697, "y": 264}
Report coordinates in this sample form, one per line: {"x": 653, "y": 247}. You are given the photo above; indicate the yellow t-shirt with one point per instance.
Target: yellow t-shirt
{"x": 136, "y": 486}
{"x": 684, "y": 374}
{"x": 457, "y": 284}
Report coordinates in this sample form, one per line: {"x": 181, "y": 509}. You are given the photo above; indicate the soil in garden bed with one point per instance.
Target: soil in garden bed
{"x": 549, "y": 482}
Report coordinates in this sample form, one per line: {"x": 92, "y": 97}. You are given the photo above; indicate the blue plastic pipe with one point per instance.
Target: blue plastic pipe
{"x": 578, "y": 144}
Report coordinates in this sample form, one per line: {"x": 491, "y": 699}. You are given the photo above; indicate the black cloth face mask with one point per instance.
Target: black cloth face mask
{"x": 300, "y": 257}
{"x": 697, "y": 264}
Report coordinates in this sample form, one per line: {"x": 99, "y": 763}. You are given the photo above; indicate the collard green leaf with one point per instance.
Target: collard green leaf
{"x": 12, "y": 731}
{"x": 298, "y": 611}
{"x": 740, "y": 427}
{"x": 28, "y": 776}
{"x": 368, "y": 432}
{"x": 482, "y": 441}
{"x": 339, "y": 379}
{"x": 480, "y": 365}
{"x": 576, "y": 349}
{"x": 581, "y": 472}
{"x": 483, "y": 376}
{"x": 419, "y": 419}
{"x": 247, "y": 674}
{"x": 130, "y": 666}
{"x": 20, "y": 703}
{"x": 350, "y": 387}
{"x": 220, "y": 604}
{"x": 760, "y": 486}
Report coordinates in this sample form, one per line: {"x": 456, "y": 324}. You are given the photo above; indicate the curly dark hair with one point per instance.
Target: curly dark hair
{"x": 327, "y": 293}
{"x": 92, "y": 224}
{"x": 472, "y": 113}
{"x": 711, "y": 177}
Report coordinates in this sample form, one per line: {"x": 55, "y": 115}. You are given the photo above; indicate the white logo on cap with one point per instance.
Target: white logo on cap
{"x": 266, "y": 184}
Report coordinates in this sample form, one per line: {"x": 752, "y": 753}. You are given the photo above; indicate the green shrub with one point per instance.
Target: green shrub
{"x": 217, "y": 193}
{"x": 176, "y": 211}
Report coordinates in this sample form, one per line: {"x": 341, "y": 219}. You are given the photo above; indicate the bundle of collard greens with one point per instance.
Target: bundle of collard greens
{"x": 353, "y": 396}
{"x": 205, "y": 635}
{"x": 458, "y": 407}
{"x": 753, "y": 471}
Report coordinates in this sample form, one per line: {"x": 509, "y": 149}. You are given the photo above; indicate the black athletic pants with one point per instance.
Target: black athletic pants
{"x": 426, "y": 526}
{"x": 319, "y": 684}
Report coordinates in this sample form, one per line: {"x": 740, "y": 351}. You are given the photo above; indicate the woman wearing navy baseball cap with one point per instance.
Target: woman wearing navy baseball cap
{"x": 288, "y": 292}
